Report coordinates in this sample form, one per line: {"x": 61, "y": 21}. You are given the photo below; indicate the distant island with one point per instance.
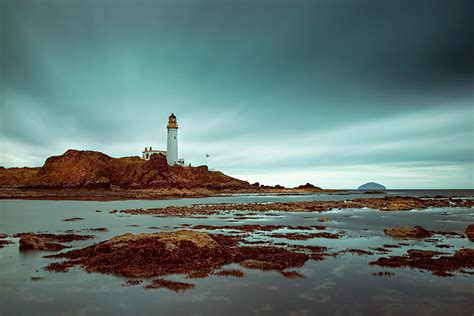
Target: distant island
{"x": 372, "y": 186}
{"x": 92, "y": 175}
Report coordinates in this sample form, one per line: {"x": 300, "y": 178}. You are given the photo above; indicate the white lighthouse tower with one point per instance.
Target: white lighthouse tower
{"x": 172, "y": 146}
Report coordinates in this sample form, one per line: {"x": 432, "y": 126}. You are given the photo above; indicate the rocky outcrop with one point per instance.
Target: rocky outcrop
{"x": 47, "y": 242}
{"x": 75, "y": 169}
{"x": 94, "y": 170}
{"x": 308, "y": 186}
{"x": 392, "y": 203}
{"x": 470, "y": 232}
{"x": 423, "y": 253}
{"x": 408, "y": 232}
{"x": 461, "y": 261}
{"x": 32, "y": 242}
{"x": 195, "y": 254}
{"x": 3, "y": 241}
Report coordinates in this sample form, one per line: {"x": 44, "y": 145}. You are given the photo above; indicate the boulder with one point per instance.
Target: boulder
{"x": 470, "y": 232}
{"x": 33, "y": 242}
{"x": 408, "y": 232}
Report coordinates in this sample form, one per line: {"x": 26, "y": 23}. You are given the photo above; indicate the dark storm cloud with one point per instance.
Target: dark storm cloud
{"x": 264, "y": 86}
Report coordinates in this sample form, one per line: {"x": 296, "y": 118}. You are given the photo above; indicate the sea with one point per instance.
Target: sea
{"x": 342, "y": 285}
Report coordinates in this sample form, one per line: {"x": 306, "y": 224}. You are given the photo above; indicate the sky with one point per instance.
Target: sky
{"x": 332, "y": 92}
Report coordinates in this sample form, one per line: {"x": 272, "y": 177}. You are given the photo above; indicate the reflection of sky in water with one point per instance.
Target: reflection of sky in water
{"x": 338, "y": 285}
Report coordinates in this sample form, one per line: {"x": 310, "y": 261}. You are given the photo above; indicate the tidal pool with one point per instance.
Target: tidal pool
{"x": 344, "y": 284}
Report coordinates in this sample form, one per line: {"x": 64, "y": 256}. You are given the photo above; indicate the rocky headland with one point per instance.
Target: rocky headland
{"x": 85, "y": 175}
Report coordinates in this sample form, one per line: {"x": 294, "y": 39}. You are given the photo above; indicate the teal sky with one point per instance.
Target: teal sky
{"x": 336, "y": 93}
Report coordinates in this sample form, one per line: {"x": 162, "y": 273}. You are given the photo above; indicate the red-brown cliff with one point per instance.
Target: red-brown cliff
{"x": 94, "y": 170}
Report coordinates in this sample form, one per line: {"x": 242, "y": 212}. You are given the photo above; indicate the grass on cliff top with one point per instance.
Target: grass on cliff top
{"x": 13, "y": 176}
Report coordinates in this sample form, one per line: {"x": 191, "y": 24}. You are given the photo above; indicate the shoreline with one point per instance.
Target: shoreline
{"x": 102, "y": 195}
{"x": 123, "y": 195}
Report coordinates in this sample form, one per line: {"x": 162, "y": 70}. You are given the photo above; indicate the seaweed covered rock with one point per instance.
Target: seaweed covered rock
{"x": 408, "y": 232}
{"x": 431, "y": 261}
{"x": 3, "y": 241}
{"x": 470, "y": 232}
{"x": 32, "y": 242}
{"x": 47, "y": 242}
{"x": 402, "y": 203}
{"x": 178, "y": 252}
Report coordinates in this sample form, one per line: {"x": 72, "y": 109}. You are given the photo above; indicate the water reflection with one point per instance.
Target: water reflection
{"x": 337, "y": 285}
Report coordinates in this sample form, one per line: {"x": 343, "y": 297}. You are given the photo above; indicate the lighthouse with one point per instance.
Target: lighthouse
{"x": 172, "y": 145}
{"x": 171, "y": 152}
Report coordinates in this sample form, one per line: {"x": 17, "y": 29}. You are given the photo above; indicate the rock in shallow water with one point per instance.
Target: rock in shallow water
{"x": 408, "y": 232}
{"x": 180, "y": 252}
{"x": 470, "y": 232}
{"x": 47, "y": 242}
{"x": 428, "y": 260}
